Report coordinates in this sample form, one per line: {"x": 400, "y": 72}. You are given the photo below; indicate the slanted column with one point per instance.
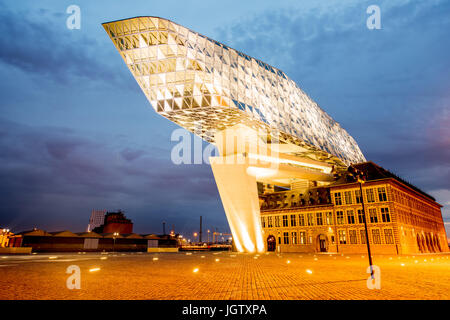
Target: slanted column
{"x": 239, "y": 194}
{"x": 237, "y": 188}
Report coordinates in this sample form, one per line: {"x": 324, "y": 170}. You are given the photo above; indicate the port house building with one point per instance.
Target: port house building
{"x": 401, "y": 218}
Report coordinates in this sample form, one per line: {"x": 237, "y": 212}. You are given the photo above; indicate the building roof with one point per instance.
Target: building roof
{"x": 90, "y": 234}
{"x": 375, "y": 172}
{"x": 65, "y": 233}
{"x": 34, "y": 232}
{"x": 132, "y": 236}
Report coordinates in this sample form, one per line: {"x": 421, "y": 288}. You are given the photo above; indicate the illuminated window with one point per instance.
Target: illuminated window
{"x": 352, "y": 237}
{"x": 373, "y": 215}
{"x": 337, "y": 199}
{"x": 319, "y": 218}
{"x": 285, "y": 221}
{"x": 263, "y": 222}
{"x": 340, "y": 217}
{"x": 277, "y": 221}
{"x": 293, "y": 220}
{"x": 370, "y": 195}
{"x": 350, "y": 217}
{"x": 376, "y": 238}
{"x": 358, "y": 196}
{"x": 310, "y": 219}
{"x": 385, "y": 216}
{"x": 269, "y": 222}
{"x": 302, "y": 237}
{"x": 382, "y": 194}
{"x": 342, "y": 237}
{"x": 286, "y": 237}
{"x": 388, "y": 236}
{"x": 301, "y": 220}
{"x": 294, "y": 238}
{"x": 348, "y": 197}
{"x": 362, "y": 234}
{"x": 361, "y": 216}
{"x": 329, "y": 218}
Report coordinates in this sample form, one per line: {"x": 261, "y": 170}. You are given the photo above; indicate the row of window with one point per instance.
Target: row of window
{"x": 325, "y": 218}
{"x": 375, "y": 233}
{"x": 295, "y": 237}
{"x": 351, "y": 197}
{"x": 413, "y": 203}
{"x": 415, "y": 220}
{"x": 374, "y": 216}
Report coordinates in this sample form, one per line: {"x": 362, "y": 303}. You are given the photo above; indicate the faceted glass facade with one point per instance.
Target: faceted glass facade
{"x": 203, "y": 86}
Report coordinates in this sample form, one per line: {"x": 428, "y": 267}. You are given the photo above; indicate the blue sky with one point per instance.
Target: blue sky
{"x": 76, "y": 132}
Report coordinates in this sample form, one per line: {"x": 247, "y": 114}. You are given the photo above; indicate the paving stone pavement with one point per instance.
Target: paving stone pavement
{"x": 232, "y": 276}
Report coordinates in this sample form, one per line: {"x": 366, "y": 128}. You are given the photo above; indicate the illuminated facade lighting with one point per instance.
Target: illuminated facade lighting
{"x": 217, "y": 92}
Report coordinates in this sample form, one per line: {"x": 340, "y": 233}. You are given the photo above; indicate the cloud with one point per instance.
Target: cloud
{"x": 388, "y": 87}
{"x": 45, "y": 48}
{"x": 55, "y": 177}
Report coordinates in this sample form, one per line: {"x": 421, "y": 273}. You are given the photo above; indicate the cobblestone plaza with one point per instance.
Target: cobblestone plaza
{"x": 225, "y": 275}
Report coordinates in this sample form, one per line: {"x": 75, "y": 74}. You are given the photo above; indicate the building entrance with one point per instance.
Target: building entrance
{"x": 271, "y": 243}
{"x": 322, "y": 242}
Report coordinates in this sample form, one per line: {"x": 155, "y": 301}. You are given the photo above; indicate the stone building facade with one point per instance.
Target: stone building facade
{"x": 401, "y": 218}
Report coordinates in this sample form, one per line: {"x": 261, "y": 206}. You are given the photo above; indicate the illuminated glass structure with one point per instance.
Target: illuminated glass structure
{"x": 217, "y": 92}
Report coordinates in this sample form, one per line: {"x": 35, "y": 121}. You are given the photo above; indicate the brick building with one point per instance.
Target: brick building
{"x": 401, "y": 218}
{"x": 115, "y": 222}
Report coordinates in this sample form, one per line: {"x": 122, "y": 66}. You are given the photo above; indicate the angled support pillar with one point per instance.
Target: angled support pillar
{"x": 239, "y": 194}
{"x": 237, "y": 188}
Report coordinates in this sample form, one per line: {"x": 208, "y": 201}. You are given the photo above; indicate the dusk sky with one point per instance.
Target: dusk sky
{"x": 77, "y": 133}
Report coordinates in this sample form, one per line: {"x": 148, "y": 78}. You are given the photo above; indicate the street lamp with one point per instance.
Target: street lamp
{"x": 360, "y": 177}
{"x": 115, "y": 234}
{"x": 195, "y": 235}
{"x": 208, "y": 235}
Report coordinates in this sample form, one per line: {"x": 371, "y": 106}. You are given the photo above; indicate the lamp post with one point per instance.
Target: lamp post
{"x": 360, "y": 177}
{"x": 195, "y": 235}
{"x": 115, "y": 234}
{"x": 208, "y": 235}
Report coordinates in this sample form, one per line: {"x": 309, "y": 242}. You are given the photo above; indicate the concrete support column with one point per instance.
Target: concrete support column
{"x": 239, "y": 195}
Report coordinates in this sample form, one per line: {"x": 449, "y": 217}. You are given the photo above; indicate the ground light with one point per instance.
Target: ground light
{"x": 94, "y": 269}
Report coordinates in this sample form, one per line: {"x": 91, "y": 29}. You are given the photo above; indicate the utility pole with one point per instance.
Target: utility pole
{"x": 200, "y": 233}
{"x": 360, "y": 177}
{"x": 164, "y": 228}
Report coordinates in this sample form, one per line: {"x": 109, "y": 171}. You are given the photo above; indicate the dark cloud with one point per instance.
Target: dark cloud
{"x": 388, "y": 87}
{"x": 130, "y": 155}
{"x": 45, "y": 171}
{"x": 42, "y": 46}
